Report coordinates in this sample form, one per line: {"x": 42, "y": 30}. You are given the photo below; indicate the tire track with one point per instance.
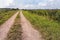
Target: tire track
{"x": 4, "y": 28}
{"x": 29, "y": 33}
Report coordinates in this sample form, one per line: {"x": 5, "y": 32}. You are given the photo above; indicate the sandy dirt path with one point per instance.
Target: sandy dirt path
{"x": 29, "y": 33}
{"x": 4, "y": 28}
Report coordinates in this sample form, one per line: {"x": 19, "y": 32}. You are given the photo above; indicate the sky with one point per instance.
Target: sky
{"x": 30, "y": 4}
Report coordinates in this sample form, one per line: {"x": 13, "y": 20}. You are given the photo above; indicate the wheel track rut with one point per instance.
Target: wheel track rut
{"x": 29, "y": 33}
{"x": 5, "y": 27}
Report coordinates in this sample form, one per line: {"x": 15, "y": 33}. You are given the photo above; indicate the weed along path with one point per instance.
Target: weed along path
{"x": 29, "y": 33}
{"x": 4, "y": 28}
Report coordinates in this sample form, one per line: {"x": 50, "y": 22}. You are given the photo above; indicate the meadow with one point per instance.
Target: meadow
{"x": 5, "y": 14}
{"x": 47, "y": 22}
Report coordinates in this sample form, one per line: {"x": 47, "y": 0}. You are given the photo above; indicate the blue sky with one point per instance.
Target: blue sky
{"x": 30, "y": 4}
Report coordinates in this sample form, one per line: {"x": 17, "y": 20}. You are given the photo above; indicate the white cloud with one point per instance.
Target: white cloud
{"x": 51, "y": 0}
{"x": 4, "y": 3}
{"x": 42, "y": 4}
{"x": 29, "y": 5}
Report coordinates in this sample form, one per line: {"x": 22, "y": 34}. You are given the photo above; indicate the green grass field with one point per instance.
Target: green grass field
{"x": 6, "y": 15}
{"x": 49, "y": 29}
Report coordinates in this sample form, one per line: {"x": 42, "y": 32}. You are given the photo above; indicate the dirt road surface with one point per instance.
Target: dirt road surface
{"x": 29, "y": 33}
{"x": 4, "y": 28}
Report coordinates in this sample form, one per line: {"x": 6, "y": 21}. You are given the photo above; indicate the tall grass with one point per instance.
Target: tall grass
{"x": 6, "y": 15}
{"x": 50, "y": 30}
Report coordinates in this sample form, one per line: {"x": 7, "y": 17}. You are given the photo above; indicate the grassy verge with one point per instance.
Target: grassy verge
{"x": 6, "y": 15}
{"x": 50, "y": 30}
{"x": 15, "y": 31}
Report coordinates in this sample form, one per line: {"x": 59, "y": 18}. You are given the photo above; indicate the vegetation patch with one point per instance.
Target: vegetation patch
{"x": 6, "y": 14}
{"x": 50, "y": 29}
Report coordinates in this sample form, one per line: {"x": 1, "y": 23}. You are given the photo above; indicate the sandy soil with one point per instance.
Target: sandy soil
{"x": 4, "y": 28}
{"x": 29, "y": 33}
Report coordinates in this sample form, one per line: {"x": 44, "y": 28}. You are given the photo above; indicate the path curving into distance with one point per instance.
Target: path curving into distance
{"x": 4, "y": 28}
{"x": 29, "y": 33}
